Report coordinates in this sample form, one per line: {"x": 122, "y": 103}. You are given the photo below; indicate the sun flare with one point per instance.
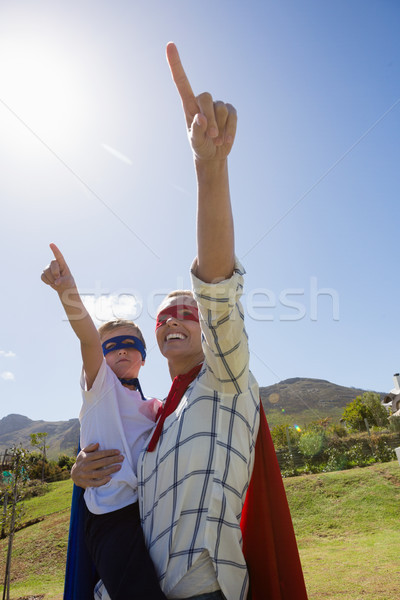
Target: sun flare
{"x": 40, "y": 89}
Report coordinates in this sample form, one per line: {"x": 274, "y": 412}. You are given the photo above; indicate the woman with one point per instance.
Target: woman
{"x": 195, "y": 471}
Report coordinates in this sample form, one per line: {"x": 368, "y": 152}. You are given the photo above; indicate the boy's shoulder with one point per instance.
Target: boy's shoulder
{"x": 153, "y": 407}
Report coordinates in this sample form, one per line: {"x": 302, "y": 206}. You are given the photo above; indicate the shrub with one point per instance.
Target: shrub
{"x": 337, "y": 459}
{"x": 279, "y": 435}
{"x": 65, "y": 462}
{"x": 381, "y": 449}
{"x": 52, "y": 472}
{"x": 359, "y": 455}
{"x": 337, "y": 430}
{"x": 394, "y": 424}
{"x": 286, "y": 463}
{"x": 312, "y": 443}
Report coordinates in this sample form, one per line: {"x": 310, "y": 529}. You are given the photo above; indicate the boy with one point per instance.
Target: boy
{"x": 115, "y": 414}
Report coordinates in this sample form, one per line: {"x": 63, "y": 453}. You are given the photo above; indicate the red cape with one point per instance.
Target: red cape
{"x": 269, "y": 543}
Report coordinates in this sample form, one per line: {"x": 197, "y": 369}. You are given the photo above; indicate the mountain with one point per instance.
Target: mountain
{"x": 62, "y": 438}
{"x": 307, "y": 399}
{"x": 298, "y": 399}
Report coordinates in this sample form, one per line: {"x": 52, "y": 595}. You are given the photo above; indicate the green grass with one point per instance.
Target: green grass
{"x": 57, "y": 499}
{"x": 355, "y": 501}
{"x": 346, "y": 525}
{"x": 347, "y": 529}
{"x": 353, "y": 567}
{"x": 39, "y": 551}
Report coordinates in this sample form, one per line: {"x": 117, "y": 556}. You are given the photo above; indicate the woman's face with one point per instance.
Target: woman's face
{"x": 178, "y": 331}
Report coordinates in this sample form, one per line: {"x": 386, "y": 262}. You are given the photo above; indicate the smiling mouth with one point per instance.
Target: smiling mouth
{"x": 175, "y": 336}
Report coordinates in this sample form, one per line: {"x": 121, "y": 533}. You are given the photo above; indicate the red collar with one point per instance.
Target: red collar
{"x": 179, "y": 386}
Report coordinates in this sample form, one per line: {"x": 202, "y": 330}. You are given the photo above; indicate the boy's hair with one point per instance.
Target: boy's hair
{"x": 111, "y": 325}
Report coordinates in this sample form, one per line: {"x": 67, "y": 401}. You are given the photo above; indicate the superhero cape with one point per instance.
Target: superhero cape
{"x": 269, "y": 543}
{"x": 80, "y": 573}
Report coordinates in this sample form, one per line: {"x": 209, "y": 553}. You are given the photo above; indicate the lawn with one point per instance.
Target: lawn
{"x": 346, "y": 525}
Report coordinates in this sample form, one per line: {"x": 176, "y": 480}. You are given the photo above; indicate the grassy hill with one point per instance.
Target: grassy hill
{"x": 302, "y": 400}
{"x": 346, "y": 525}
{"x": 39, "y": 551}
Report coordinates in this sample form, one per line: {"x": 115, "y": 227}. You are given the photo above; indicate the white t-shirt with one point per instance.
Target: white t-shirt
{"x": 115, "y": 417}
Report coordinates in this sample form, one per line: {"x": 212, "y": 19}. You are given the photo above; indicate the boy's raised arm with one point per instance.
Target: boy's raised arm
{"x": 58, "y": 276}
{"x": 211, "y": 128}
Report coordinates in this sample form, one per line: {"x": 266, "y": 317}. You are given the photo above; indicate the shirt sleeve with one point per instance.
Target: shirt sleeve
{"x": 92, "y": 396}
{"x": 224, "y": 338}
{"x": 97, "y": 383}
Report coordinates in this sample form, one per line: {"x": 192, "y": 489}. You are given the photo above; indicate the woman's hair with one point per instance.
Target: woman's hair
{"x": 111, "y": 325}
{"x": 178, "y": 293}
{"x": 175, "y": 294}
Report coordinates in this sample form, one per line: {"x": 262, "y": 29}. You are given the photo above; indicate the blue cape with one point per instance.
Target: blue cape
{"x": 80, "y": 573}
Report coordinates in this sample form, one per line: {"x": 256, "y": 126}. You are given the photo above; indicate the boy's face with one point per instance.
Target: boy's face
{"x": 125, "y": 362}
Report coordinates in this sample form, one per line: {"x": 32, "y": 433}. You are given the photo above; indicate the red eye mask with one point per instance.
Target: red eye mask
{"x": 182, "y": 312}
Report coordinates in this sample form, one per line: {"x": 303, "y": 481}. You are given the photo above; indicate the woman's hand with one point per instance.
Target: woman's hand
{"x": 94, "y": 467}
{"x": 211, "y": 124}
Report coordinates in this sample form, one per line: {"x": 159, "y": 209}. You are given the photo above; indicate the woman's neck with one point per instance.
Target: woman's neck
{"x": 180, "y": 367}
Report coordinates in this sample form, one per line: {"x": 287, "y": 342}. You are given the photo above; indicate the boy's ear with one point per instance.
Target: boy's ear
{"x": 143, "y": 361}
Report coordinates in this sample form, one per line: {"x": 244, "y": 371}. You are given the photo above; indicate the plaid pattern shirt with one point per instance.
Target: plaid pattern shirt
{"x": 192, "y": 487}
{"x": 100, "y": 592}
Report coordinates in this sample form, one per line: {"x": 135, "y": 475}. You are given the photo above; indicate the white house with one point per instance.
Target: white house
{"x": 392, "y": 400}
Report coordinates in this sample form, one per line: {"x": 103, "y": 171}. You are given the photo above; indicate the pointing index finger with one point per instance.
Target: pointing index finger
{"x": 57, "y": 255}
{"x": 181, "y": 81}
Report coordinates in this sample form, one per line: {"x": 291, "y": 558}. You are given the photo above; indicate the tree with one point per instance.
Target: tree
{"x": 379, "y": 414}
{"x": 11, "y": 513}
{"x": 39, "y": 440}
{"x": 368, "y": 406}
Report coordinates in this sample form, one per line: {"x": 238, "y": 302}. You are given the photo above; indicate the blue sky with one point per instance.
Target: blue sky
{"x": 94, "y": 157}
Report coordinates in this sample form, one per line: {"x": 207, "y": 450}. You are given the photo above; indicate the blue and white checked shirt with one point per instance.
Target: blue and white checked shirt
{"x": 192, "y": 487}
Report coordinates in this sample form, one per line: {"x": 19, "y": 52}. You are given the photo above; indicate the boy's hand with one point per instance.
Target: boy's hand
{"x": 211, "y": 125}
{"x": 57, "y": 275}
